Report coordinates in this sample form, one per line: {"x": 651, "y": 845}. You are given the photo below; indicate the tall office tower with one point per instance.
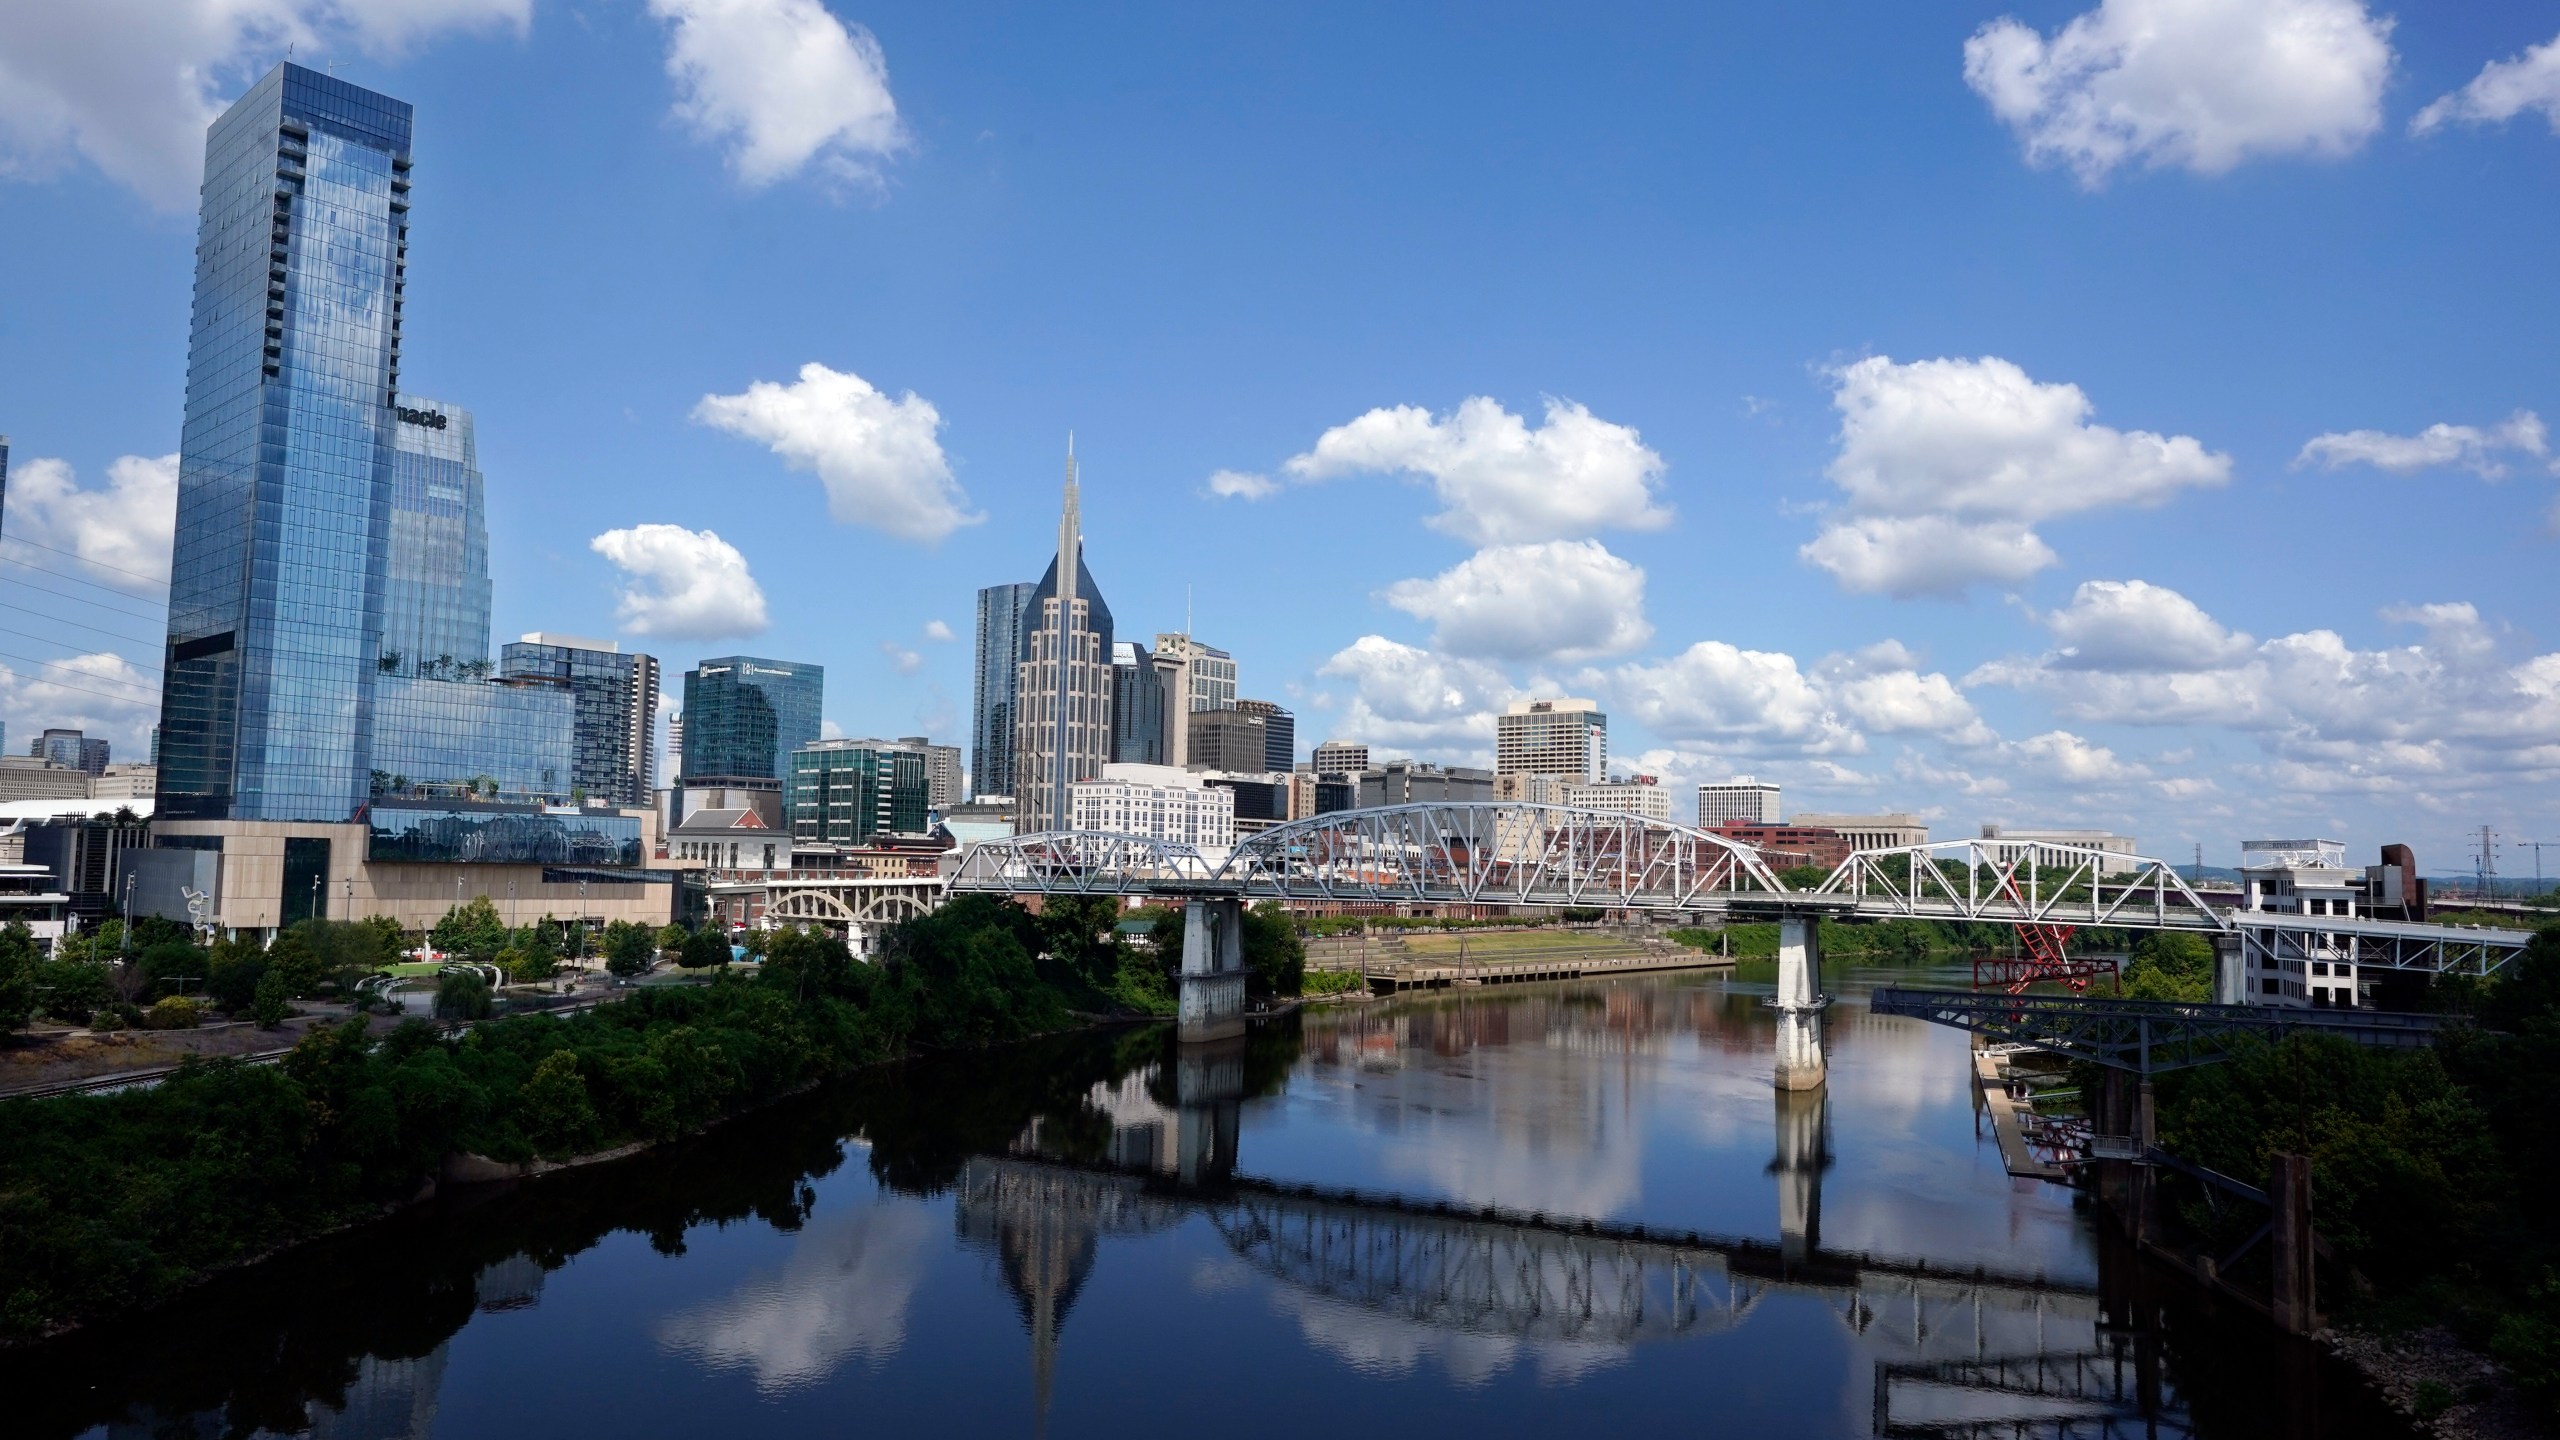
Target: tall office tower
{"x": 1000, "y": 612}
{"x": 1340, "y": 757}
{"x": 1229, "y": 740}
{"x": 849, "y": 792}
{"x": 744, "y": 716}
{"x": 71, "y": 750}
{"x": 293, "y": 358}
{"x": 1137, "y": 706}
{"x": 942, "y": 775}
{"x": 1743, "y": 798}
{"x": 1279, "y": 733}
{"x": 1063, "y": 734}
{"x": 1563, "y": 738}
{"x": 443, "y": 721}
{"x": 1196, "y": 677}
{"x": 613, "y": 755}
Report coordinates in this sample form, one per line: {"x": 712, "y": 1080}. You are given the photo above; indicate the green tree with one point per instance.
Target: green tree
{"x": 17, "y": 975}
{"x": 1080, "y": 941}
{"x": 628, "y": 948}
{"x": 1274, "y": 957}
{"x": 231, "y": 975}
{"x": 806, "y": 964}
{"x": 267, "y": 1006}
{"x": 529, "y": 967}
{"x": 2168, "y": 965}
{"x": 462, "y": 995}
{"x": 554, "y": 1109}
{"x": 293, "y": 957}
{"x": 704, "y": 948}
{"x": 472, "y": 930}
{"x": 73, "y": 990}
{"x": 671, "y": 939}
{"x": 1803, "y": 877}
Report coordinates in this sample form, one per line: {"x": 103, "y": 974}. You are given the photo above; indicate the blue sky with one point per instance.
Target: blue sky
{"x": 1718, "y": 365}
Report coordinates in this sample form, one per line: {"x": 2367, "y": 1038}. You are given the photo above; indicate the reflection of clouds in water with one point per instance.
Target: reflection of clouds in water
{"x": 1389, "y": 1348}
{"x": 1215, "y": 1275}
{"x": 1890, "y": 1068}
{"x": 843, "y": 1292}
{"x": 1538, "y": 1131}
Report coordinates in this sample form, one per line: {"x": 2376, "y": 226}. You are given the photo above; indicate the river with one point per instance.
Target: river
{"x": 1535, "y": 1210}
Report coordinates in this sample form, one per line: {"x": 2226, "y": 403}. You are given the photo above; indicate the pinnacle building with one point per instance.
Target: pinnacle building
{"x": 276, "y": 588}
{"x": 1062, "y": 733}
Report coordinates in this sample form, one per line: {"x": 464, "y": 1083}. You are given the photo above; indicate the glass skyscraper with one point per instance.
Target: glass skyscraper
{"x": 276, "y": 590}
{"x": 846, "y": 792}
{"x": 743, "y": 716}
{"x": 617, "y": 702}
{"x": 1137, "y": 706}
{"x": 1000, "y": 613}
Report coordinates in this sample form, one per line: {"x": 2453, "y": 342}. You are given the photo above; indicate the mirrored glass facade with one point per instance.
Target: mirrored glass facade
{"x": 276, "y": 584}
{"x": 1000, "y": 612}
{"x": 743, "y": 716}
{"x": 457, "y": 737}
{"x": 613, "y": 751}
{"x": 435, "y": 590}
{"x": 845, "y": 792}
{"x": 500, "y": 834}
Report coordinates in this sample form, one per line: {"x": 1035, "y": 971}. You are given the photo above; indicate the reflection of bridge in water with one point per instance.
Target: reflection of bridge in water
{"x": 1958, "y": 1351}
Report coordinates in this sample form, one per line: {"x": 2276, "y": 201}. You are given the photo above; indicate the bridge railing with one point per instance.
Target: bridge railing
{"x": 1082, "y": 862}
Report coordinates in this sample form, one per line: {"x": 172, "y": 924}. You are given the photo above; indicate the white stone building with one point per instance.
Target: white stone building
{"x": 1160, "y": 802}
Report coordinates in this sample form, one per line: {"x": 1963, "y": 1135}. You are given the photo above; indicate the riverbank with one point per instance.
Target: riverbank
{"x": 114, "y": 1203}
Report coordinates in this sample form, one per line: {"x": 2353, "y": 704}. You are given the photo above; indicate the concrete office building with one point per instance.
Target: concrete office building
{"x": 2300, "y": 877}
{"x": 1160, "y": 802}
{"x": 1063, "y": 731}
{"x": 2059, "y": 847}
{"x": 743, "y": 718}
{"x": 1870, "y": 832}
{"x": 1279, "y": 733}
{"x": 614, "y": 698}
{"x": 1410, "y": 782}
{"x": 1637, "y": 795}
{"x": 994, "y": 710}
{"x": 1567, "y": 738}
{"x": 1137, "y": 706}
{"x": 944, "y": 783}
{"x": 1228, "y": 740}
{"x": 1339, "y": 757}
{"x": 1742, "y": 798}
{"x": 1196, "y": 677}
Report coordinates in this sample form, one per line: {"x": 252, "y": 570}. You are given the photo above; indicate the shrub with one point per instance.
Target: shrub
{"x": 268, "y": 1006}
{"x": 462, "y": 995}
{"x": 1332, "y": 982}
{"x": 175, "y": 1012}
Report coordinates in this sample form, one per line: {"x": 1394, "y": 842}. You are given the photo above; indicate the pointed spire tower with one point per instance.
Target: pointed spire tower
{"x": 1065, "y": 730}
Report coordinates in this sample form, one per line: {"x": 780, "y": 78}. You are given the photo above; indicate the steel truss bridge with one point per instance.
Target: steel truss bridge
{"x": 2145, "y": 1036}
{"x": 1508, "y": 854}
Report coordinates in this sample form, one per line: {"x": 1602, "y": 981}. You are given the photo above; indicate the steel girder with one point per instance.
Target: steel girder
{"x": 1970, "y": 880}
{"x": 1084, "y": 862}
{"x": 2145, "y": 1036}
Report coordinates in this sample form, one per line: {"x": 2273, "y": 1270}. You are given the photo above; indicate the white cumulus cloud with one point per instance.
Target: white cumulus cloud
{"x": 784, "y": 85}
{"x": 2501, "y": 91}
{"x": 2060, "y": 756}
{"x": 1408, "y": 699}
{"x": 878, "y": 457}
{"x": 938, "y": 632}
{"x": 2439, "y": 446}
{"x": 2198, "y": 84}
{"x": 2136, "y": 625}
{"x": 1883, "y": 689}
{"x": 101, "y": 693}
{"x": 130, "y": 85}
{"x": 1750, "y": 701}
{"x": 1500, "y": 481}
{"x": 1560, "y": 600}
{"x": 1947, "y": 465}
{"x": 124, "y": 527}
{"x": 682, "y": 584}
{"x": 901, "y": 659}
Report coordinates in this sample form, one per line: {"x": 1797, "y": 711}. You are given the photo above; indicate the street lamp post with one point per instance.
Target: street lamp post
{"x": 126, "y": 956}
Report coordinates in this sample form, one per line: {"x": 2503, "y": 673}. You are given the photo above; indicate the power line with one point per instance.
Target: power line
{"x": 65, "y": 595}
{"x": 76, "y": 625}
{"x": 83, "y": 689}
{"x": 85, "y": 560}
{"x": 48, "y": 640}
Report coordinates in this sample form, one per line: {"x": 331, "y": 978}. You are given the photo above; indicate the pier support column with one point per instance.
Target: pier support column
{"x": 1212, "y": 982}
{"x": 2289, "y": 1191}
{"x": 1799, "y": 1003}
{"x": 2230, "y": 973}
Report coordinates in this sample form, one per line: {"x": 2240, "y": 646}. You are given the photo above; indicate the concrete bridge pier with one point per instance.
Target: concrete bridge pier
{"x": 1799, "y": 1003}
{"x": 1211, "y": 987}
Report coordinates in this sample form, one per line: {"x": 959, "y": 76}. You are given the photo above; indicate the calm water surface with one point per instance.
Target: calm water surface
{"x": 1365, "y": 1219}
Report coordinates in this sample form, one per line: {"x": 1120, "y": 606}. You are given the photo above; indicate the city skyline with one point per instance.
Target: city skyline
{"x": 2198, "y": 625}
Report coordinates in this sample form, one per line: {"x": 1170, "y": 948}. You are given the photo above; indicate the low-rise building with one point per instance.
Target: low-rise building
{"x": 1640, "y": 795}
{"x": 1891, "y": 831}
{"x": 2300, "y": 877}
{"x": 2059, "y": 848}
{"x": 1339, "y": 757}
{"x": 1411, "y": 782}
{"x": 1158, "y": 802}
{"x": 1744, "y": 798}
{"x": 1787, "y": 846}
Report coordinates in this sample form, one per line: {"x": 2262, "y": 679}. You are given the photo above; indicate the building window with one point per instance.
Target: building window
{"x": 306, "y": 874}
{"x": 2268, "y": 986}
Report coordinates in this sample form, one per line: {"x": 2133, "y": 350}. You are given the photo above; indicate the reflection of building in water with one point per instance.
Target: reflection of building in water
{"x": 390, "y": 1400}
{"x": 1043, "y": 1228}
{"x": 514, "y": 1283}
